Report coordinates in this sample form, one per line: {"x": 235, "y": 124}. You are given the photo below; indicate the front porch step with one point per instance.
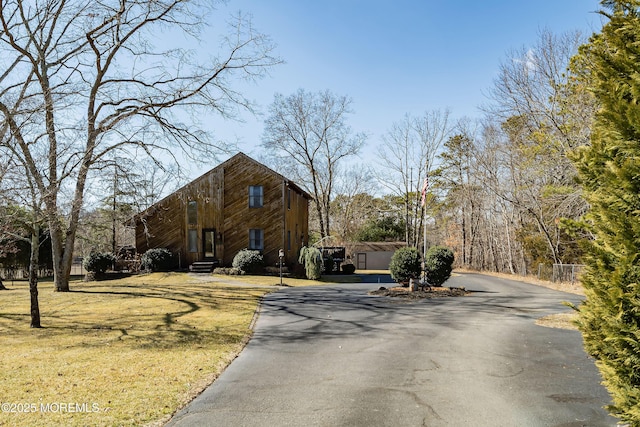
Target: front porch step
{"x": 203, "y": 266}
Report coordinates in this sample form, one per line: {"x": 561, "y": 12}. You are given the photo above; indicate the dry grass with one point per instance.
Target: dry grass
{"x": 559, "y": 320}
{"x": 122, "y": 352}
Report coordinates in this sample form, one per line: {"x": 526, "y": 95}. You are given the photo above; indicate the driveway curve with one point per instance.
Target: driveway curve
{"x": 336, "y": 356}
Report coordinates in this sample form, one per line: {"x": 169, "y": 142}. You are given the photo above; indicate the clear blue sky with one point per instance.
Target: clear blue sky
{"x": 393, "y": 58}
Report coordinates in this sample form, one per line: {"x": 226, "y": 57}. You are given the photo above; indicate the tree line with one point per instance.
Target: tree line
{"x": 499, "y": 190}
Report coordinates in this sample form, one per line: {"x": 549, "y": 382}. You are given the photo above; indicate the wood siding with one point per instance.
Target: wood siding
{"x": 296, "y": 223}
{"x": 222, "y": 197}
{"x": 275, "y": 218}
{"x": 165, "y": 225}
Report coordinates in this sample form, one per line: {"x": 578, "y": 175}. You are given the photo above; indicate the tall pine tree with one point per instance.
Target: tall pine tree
{"x": 609, "y": 171}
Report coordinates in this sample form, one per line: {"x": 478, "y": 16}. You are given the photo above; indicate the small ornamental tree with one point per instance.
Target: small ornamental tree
{"x": 438, "y": 264}
{"x": 311, "y": 258}
{"x": 249, "y": 261}
{"x": 157, "y": 259}
{"x": 405, "y": 264}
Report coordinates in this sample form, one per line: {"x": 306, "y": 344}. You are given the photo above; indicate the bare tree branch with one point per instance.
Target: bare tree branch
{"x": 82, "y": 82}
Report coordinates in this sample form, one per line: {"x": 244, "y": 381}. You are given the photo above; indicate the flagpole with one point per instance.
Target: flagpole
{"x": 424, "y": 254}
{"x": 425, "y": 185}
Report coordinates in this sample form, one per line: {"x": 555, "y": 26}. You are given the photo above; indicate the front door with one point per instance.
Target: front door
{"x": 209, "y": 243}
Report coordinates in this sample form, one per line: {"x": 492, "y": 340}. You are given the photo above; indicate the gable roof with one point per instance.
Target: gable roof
{"x": 266, "y": 168}
{"x": 238, "y": 156}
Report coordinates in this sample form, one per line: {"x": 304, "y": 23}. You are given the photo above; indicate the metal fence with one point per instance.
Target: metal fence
{"x": 565, "y": 273}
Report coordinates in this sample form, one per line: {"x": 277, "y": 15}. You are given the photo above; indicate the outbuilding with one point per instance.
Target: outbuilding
{"x": 373, "y": 255}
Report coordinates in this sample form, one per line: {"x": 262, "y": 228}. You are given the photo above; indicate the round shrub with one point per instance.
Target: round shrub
{"x": 98, "y": 262}
{"x": 348, "y": 268}
{"x": 157, "y": 259}
{"x": 249, "y": 261}
{"x": 438, "y": 264}
{"x": 405, "y": 264}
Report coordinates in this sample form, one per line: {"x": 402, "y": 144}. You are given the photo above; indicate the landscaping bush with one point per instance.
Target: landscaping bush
{"x": 98, "y": 262}
{"x": 249, "y": 261}
{"x": 228, "y": 271}
{"x": 157, "y": 259}
{"x": 438, "y": 264}
{"x": 348, "y": 268}
{"x": 329, "y": 265}
{"x": 311, "y": 258}
{"x": 405, "y": 264}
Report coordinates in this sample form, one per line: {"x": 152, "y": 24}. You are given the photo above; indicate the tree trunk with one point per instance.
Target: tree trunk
{"x": 61, "y": 282}
{"x": 2, "y": 288}
{"x": 33, "y": 278}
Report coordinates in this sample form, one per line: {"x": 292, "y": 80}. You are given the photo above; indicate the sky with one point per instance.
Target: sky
{"x": 393, "y": 58}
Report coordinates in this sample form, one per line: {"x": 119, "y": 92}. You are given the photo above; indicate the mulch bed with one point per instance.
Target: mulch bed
{"x": 421, "y": 293}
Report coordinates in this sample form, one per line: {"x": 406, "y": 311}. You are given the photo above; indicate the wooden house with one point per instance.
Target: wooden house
{"x": 239, "y": 204}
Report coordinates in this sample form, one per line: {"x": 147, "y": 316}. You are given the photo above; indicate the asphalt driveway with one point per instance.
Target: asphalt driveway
{"x": 335, "y": 356}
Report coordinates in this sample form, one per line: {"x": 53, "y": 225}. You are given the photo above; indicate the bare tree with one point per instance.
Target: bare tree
{"x": 354, "y": 202}
{"x": 408, "y": 156}
{"x": 539, "y": 116}
{"x": 81, "y": 81}
{"x": 307, "y": 133}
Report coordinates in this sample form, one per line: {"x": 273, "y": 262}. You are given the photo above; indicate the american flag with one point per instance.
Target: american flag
{"x": 425, "y": 185}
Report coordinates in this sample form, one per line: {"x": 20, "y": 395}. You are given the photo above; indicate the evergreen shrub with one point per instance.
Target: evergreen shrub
{"x": 405, "y": 265}
{"x": 329, "y": 265}
{"x": 157, "y": 259}
{"x": 348, "y": 268}
{"x": 98, "y": 262}
{"x": 609, "y": 173}
{"x": 249, "y": 261}
{"x": 438, "y": 265}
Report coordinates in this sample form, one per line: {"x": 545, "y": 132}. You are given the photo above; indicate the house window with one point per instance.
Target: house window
{"x": 193, "y": 241}
{"x": 288, "y": 198}
{"x": 256, "y": 239}
{"x": 255, "y": 196}
{"x": 192, "y": 212}
{"x": 288, "y": 240}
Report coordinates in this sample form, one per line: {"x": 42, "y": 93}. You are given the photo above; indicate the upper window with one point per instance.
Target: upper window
{"x": 192, "y": 212}
{"x": 256, "y": 196}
